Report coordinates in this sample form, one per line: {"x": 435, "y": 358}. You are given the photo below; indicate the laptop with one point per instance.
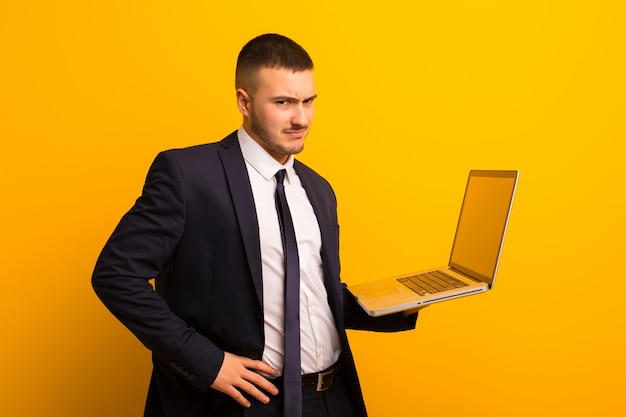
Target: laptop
{"x": 473, "y": 260}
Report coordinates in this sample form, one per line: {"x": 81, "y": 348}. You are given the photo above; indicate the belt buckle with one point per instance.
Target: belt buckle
{"x": 320, "y": 380}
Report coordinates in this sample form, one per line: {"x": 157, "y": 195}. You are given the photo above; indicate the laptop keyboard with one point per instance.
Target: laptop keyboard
{"x": 431, "y": 282}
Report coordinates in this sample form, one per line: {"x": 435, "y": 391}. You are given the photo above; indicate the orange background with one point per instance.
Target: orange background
{"x": 411, "y": 96}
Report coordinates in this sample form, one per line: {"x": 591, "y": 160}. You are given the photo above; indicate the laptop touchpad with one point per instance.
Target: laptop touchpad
{"x": 381, "y": 292}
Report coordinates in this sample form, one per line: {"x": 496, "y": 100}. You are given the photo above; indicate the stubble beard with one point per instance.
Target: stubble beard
{"x": 271, "y": 141}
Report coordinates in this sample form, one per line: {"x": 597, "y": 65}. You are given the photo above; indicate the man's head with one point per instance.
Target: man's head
{"x": 269, "y": 51}
{"x": 275, "y": 93}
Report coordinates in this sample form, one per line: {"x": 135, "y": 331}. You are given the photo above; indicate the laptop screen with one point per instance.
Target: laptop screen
{"x": 482, "y": 223}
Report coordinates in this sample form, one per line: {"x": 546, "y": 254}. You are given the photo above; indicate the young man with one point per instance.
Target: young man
{"x": 206, "y": 228}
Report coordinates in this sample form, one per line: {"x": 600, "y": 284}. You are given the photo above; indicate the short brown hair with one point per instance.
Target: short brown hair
{"x": 269, "y": 51}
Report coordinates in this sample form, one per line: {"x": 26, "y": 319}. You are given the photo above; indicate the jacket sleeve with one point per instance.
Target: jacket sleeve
{"x": 135, "y": 253}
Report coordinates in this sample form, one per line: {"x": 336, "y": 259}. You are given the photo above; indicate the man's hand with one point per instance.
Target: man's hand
{"x": 237, "y": 375}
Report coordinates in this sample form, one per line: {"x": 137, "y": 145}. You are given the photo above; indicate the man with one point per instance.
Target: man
{"x": 206, "y": 228}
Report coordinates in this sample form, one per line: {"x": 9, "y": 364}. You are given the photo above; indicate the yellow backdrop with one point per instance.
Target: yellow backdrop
{"x": 412, "y": 94}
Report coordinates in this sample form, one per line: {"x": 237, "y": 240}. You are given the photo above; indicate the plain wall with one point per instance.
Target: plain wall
{"x": 412, "y": 95}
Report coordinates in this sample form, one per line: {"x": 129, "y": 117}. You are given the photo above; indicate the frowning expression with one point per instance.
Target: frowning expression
{"x": 278, "y": 110}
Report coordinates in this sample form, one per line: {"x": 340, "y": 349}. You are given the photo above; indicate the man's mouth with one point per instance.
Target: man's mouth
{"x": 295, "y": 131}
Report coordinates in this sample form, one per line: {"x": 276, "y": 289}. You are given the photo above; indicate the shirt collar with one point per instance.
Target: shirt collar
{"x": 259, "y": 159}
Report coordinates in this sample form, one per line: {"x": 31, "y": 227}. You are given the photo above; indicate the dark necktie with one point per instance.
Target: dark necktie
{"x": 292, "y": 378}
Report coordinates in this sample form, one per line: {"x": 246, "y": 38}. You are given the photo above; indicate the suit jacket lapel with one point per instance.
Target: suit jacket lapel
{"x": 325, "y": 211}
{"x": 243, "y": 201}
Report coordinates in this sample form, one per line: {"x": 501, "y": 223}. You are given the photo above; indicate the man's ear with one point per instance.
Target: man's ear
{"x": 243, "y": 102}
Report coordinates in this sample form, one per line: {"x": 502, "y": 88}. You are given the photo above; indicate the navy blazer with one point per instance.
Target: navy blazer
{"x": 194, "y": 229}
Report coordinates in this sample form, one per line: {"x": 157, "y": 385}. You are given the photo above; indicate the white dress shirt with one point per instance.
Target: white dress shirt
{"x": 320, "y": 346}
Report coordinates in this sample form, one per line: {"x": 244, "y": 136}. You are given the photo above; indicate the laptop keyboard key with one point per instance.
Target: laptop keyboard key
{"x": 431, "y": 282}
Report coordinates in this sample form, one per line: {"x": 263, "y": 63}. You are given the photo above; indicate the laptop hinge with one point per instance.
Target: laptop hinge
{"x": 467, "y": 276}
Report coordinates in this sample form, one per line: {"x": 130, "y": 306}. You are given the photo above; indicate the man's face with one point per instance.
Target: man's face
{"x": 279, "y": 111}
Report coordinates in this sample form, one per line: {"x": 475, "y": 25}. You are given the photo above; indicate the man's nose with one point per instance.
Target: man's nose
{"x": 299, "y": 116}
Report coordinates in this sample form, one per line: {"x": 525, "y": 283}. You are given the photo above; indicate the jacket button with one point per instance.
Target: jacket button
{"x": 255, "y": 356}
{"x": 173, "y": 364}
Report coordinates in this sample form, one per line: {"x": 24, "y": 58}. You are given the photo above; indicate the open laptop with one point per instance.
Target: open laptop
{"x": 474, "y": 257}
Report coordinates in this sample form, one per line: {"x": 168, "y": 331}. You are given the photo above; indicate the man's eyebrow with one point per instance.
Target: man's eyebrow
{"x": 291, "y": 98}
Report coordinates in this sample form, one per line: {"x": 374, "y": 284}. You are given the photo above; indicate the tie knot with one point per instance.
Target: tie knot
{"x": 280, "y": 176}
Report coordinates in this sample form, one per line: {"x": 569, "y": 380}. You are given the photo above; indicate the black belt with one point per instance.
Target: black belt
{"x": 319, "y": 381}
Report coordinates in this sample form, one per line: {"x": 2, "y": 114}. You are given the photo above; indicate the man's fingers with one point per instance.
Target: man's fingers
{"x": 239, "y": 375}
{"x": 253, "y": 391}
{"x": 236, "y": 395}
{"x": 259, "y": 366}
{"x": 252, "y": 384}
{"x": 260, "y": 381}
